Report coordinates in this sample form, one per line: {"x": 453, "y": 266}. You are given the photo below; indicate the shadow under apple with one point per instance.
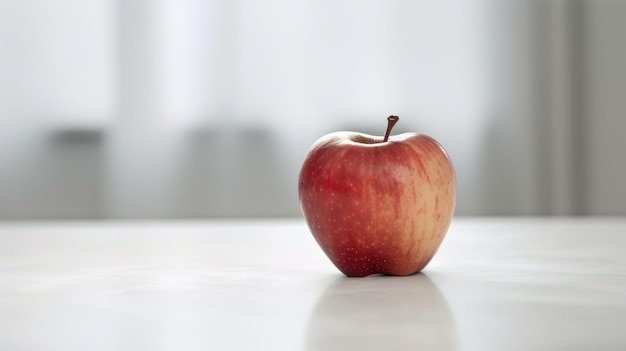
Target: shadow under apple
{"x": 382, "y": 313}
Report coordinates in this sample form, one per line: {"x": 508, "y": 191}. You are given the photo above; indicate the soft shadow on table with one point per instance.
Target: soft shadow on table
{"x": 382, "y": 313}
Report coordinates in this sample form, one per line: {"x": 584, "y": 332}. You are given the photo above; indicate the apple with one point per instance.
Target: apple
{"x": 378, "y": 205}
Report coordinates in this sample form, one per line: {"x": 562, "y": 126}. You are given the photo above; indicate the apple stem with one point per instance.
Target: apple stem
{"x": 391, "y": 121}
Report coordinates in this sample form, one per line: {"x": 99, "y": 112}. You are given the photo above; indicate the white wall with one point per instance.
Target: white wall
{"x": 605, "y": 108}
{"x": 120, "y": 109}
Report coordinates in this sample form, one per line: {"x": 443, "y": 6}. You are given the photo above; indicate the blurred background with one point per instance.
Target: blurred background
{"x": 195, "y": 108}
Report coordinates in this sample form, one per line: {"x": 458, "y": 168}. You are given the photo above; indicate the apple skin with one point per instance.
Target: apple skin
{"x": 376, "y": 206}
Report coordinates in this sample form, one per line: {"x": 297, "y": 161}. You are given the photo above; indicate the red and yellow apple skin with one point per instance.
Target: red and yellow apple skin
{"x": 378, "y": 206}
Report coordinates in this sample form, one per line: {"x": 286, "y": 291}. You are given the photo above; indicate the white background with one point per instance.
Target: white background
{"x": 144, "y": 109}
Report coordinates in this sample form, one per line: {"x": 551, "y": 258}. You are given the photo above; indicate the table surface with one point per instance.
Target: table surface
{"x": 495, "y": 284}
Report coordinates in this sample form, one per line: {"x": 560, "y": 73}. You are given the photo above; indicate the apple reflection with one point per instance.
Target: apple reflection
{"x": 382, "y": 312}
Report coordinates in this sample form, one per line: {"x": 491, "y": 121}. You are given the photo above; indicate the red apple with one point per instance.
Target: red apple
{"x": 378, "y": 204}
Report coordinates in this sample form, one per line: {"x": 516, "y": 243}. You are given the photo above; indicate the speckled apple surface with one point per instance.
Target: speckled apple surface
{"x": 378, "y": 207}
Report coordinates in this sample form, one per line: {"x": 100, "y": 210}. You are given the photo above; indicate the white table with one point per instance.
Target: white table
{"x": 496, "y": 284}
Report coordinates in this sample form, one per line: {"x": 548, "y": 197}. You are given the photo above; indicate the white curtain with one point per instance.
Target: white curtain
{"x": 190, "y": 108}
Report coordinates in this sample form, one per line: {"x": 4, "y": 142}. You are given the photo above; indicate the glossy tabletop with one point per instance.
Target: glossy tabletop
{"x": 495, "y": 284}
